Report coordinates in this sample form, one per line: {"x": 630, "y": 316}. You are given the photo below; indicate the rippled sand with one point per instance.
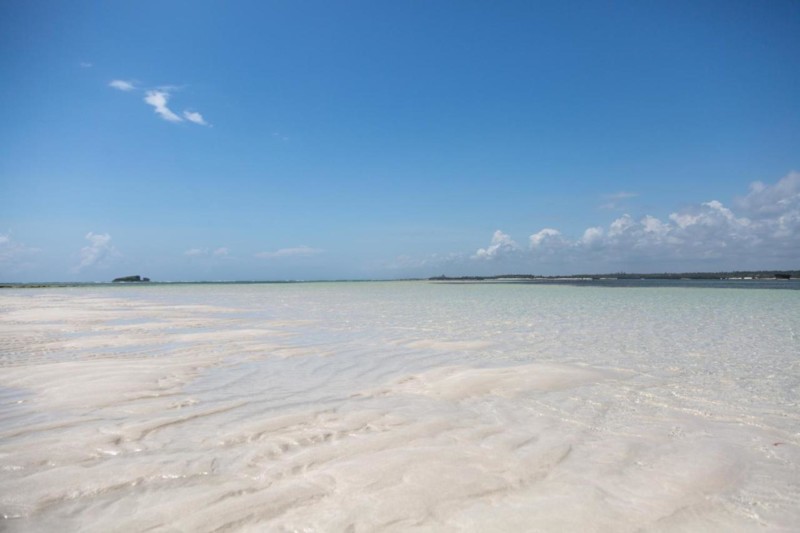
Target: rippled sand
{"x": 399, "y": 406}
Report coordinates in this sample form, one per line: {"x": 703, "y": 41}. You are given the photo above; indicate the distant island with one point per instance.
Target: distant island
{"x": 745, "y": 274}
{"x": 130, "y": 279}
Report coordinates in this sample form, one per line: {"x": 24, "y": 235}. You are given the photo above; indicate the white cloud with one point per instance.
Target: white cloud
{"x": 220, "y": 252}
{"x": 765, "y": 200}
{"x": 194, "y": 252}
{"x": 299, "y": 251}
{"x": 654, "y": 226}
{"x": 620, "y": 225}
{"x": 592, "y": 236}
{"x": 158, "y": 99}
{"x": 197, "y": 118}
{"x": 85, "y": 64}
{"x": 706, "y": 234}
{"x": 99, "y": 251}
{"x": 122, "y": 85}
{"x": 501, "y": 245}
{"x": 547, "y": 242}
{"x": 546, "y": 237}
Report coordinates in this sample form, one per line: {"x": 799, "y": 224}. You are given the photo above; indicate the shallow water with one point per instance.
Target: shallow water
{"x": 397, "y": 406}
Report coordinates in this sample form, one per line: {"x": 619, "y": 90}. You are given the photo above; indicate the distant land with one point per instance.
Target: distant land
{"x": 739, "y": 274}
{"x": 735, "y": 275}
{"x": 131, "y": 279}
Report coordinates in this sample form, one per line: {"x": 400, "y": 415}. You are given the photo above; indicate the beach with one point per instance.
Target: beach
{"x": 396, "y": 406}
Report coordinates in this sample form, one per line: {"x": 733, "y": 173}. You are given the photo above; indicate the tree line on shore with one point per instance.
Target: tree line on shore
{"x": 737, "y": 274}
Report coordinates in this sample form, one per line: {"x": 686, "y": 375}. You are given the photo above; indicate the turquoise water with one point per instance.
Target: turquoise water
{"x": 400, "y": 405}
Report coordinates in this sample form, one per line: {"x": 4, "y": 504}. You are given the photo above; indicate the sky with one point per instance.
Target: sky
{"x": 271, "y": 140}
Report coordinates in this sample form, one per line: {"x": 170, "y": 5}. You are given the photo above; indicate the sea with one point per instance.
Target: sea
{"x": 624, "y": 406}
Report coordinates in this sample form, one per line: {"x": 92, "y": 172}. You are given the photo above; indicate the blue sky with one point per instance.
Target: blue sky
{"x": 371, "y": 139}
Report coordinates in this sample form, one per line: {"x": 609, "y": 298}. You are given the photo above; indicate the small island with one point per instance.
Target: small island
{"x": 130, "y": 279}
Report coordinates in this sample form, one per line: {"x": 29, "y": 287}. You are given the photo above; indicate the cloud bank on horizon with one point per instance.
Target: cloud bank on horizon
{"x": 767, "y": 227}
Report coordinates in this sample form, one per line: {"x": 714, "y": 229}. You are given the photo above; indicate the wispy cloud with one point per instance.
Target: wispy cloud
{"x": 615, "y": 200}
{"x": 13, "y": 253}
{"x": 206, "y": 252}
{"x": 85, "y": 64}
{"x": 99, "y": 252}
{"x": 299, "y": 251}
{"x": 622, "y": 195}
{"x": 194, "y": 116}
{"x": 158, "y": 99}
{"x": 122, "y": 85}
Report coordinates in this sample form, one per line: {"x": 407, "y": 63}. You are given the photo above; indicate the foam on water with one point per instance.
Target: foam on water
{"x": 397, "y": 406}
